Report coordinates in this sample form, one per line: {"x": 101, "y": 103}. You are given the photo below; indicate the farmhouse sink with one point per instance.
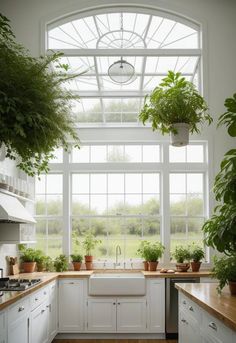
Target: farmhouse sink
{"x": 117, "y": 284}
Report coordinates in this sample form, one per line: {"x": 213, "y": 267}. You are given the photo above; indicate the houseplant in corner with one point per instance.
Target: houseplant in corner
{"x": 76, "y": 261}
{"x": 154, "y": 252}
{"x": 182, "y": 257}
{"x": 225, "y": 271}
{"x": 35, "y": 115}
{"x": 175, "y": 107}
{"x": 89, "y": 243}
{"x": 196, "y": 255}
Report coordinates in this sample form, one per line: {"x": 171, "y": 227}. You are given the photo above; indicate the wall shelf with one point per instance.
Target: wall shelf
{"x": 19, "y": 197}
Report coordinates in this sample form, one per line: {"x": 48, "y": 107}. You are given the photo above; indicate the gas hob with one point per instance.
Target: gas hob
{"x": 7, "y": 284}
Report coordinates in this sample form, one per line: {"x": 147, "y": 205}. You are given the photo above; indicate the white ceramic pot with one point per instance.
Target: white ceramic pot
{"x": 181, "y": 137}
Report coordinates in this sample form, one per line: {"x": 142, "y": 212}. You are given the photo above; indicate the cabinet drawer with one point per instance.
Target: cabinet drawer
{"x": 18, "y": 310}
{"x": 2, "y": 322}
{"x": 190, "y": 307}
{"x": 38, "y": 298}
{"x": 213, "y": 328}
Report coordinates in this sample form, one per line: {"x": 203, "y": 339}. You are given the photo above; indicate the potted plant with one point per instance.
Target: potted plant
{"x": 76, "y": 261}
{"x": 89, "y": 243}
{"x": 154, "y": 252}
{"x": 61, "y": 263}
{"x": 182, "y": 257}
{"x": 143, "y": 253}
{"x": 40, "y": 260}
{"x": 28, "y": 258}
{"x": 35, "y": 115}
{"x": 175, "y": 107}
{"x": 225, "y": 271}
{"x": 197, "y": 254}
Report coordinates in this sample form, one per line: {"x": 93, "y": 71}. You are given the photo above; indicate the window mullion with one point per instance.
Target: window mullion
{"x": 67, "y": 223}
{"x": 165, "y": 208}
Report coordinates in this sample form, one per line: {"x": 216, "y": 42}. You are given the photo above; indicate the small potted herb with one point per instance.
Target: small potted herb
{"x": 225, "y": 271}
{"x": 154, "y": 252}
{"x": 76, "y": 261}
{"x": 143, "y": 253}
{"x": 61, "y": 263}
{"x": 175, "y": 107}
{"x": 182, "y": 257}
{"x": 28, "y": 258}
{"x": 40, "y": 259}
{"x": 197, "y": 254}
{"x": 89, "y": 243}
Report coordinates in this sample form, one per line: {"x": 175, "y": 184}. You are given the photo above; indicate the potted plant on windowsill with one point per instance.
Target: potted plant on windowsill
{"x": 76, "y": 261}
{"x": 40, "y": 260}
{"x": 89, "y": 243}
{"x": 28, "y": 258}
{"x": 154, "y": 253}
{"x": 143, "y": 253}
{"x": 197, "y": 254}
{"x": 182, "y": 257}
{"x": 225, "y": 271}
{"x": 175, "y": 107}
{"x": 61, "y": 263}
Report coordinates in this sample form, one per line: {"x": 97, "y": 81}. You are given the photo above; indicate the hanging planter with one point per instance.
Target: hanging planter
{"x": 175, "y": 107}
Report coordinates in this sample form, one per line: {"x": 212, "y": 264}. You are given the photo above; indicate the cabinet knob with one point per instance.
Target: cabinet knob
{"x": 184, "y": 302}
{"x": 42, "y": 311}
{"x": 184, "y": 321}
{"x": 191, "y": 308}
{"x": 114, "y": 303}
{"x": 21, "y": 308}
{"x": 118, "y": 303}
{"x": 44, "y": 292}
{"x": 36, "y": 299}
{"x": 213, "y": 326}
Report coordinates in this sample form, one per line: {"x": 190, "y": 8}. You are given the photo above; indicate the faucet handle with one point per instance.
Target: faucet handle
{"x": 131, "y": 263}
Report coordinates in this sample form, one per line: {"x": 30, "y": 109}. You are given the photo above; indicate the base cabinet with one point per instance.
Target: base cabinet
{"x": 71, "y": 313}
{"x": 131, "y": 315}
{"x": 18, "y": 322}
{"x": 39, "y": 324}
{"x": 156, "y": 305}
{"x": 52, "y": 312}
{"x": 101, "y": 315}
{"x": 188, "y": 329}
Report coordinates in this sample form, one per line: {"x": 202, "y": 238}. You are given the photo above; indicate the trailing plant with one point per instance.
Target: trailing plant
{"x": 224, "y": 270}
{"x": 181, "y": 254}
{"x": 196, "y": 253}
{"x": 35, "y": 110}
{"x": 154, "y": 251}
{"x": 76, "y": 258}
{"x": 89, "y": 243}
{"x": 175, "y": 100}
{"x": 61, "y": 263}
{"x": 219, "y": 230}
{"x": 143, "y": 250}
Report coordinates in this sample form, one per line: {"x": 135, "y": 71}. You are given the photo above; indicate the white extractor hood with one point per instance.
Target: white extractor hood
{"x": 11, "y": 210}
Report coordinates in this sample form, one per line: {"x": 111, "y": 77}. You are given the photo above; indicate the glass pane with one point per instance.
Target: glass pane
{"x": 54, "y": 229}
{"x": 80, "y": 204}
{"x": 116, "y": 153}
{"x": 151, "y": 153}
{"x": 178, "y": 228}
{"x": 41, "y": 228}
{"x": 177, "y": 154}
{"x": 41, "y": 244}
{"x": 195, "y": 233}
{"x": 178, "y": 204}
{"x": 133, "y": 183}
{"x": 115, "y": 228}
{"x": 40, "y": 185}
{"x": 151, "y": 183}
{"x": 99, "y": 227}
{"x": 80, "y": 183}
{"x": 80, "y": 226}
{"x": 195, "y": 183}
{"x": 40, "y": 205}
{"x": 111, "y": 248}
{"x": 98, "y": 204}
{"x": 133, "y": 228}
{"x": 131, "y": 247}
{"x": 98, "y": 183}
{"x": 151, "y": 204}
{"x": 54, "y": 184}
{"x": 195, "y": 153}
{"x": 177, "y": 183}
{"x": 80, "y": 155}
{"x": 195, "y": 205}
{"x": 98, "y": 153}
{"x": 54, "y": 247}
{"x": 133, "y": 153}
{"x": 151, "y": 228}
{"x": 115, "y": 203}
{"x": 115, "y": 183}
{"x": 58, "y": 156}
{"x": 54, "y": 205}
{"x": 133, "y": 203}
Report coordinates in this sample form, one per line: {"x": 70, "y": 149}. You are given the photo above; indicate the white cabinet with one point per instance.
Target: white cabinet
{"x": 131, "y": 315}
{"x": 52, "y": 311}
{"x": 3, "y": 327}
{"x": 188, "y": 329}
{"x": 71, "y": 314}
{"x": 39, "y": 324}
{"x": 18, "y": 322}
{"x": 156, "y": 305}
{"x": 101, "y": 314}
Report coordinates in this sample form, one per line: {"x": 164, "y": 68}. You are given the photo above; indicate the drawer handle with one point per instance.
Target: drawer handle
{"x": 184, "y": 321}
{"x": 71, "y": 283}
{"x": 21, "y": 308}
{"x": 42, "y": 311}
{"x": 191, "y": 308}
{"x": 184, "y": 302}
{"x": 44, "y": 292}
{"x": 114, "y": 303}
{"x": 36, "y": 299}
{"x": 213, "y": 326}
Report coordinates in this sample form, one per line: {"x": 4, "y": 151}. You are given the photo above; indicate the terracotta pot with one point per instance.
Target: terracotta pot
{"x": 88, "y": 258}
{"x": 28, "y": 267}
{"x": 195, "y": 266}
{"x": 181, "y": 138}
{"x": 152, "y": 266}
{"x": 232, "y": 287}
{"x": 77, "y": 265}
{"x": 182, "y": 267}
{"x": 89, "y": 265}
{"x": 145, "y": 265}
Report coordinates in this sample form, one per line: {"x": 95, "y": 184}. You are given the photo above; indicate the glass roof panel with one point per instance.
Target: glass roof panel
{"x": 108, "y": 84}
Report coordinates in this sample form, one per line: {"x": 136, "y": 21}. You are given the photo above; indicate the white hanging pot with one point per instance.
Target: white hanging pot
{"x": 181, "y": 137}
{"x": 2, "y": 151}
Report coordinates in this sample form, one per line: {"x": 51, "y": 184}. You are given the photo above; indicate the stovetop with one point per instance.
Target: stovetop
{"x": 7, "y": 284}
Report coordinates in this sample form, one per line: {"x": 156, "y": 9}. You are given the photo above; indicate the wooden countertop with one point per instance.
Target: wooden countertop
{"x": 9, "y": 298}
{"x": 223, "y": 306}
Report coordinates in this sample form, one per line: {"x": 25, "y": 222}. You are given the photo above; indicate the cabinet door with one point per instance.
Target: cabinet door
{"x": 18, "y": 330}
{"x": 39, "y": 324}
{"x": 101, "y": 315}
{"x": 156, "y": 305}
{"x": 71, "y": 306}
{"x": 52, "y": 306}
{"x": 189, "y": 329}
{"x": 131, "y": 315}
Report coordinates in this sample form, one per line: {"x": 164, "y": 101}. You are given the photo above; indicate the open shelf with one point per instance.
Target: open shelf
{"x": 16, "y": 195}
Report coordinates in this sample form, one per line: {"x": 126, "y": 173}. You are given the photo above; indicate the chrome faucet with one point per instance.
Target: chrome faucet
{"x": 118, "y": 252}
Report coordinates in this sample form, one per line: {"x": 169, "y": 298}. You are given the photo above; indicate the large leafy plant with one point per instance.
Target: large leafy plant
{"x": 220, "y": 229}
{"x": 224, "y": 270}
{"x": 34, "y": 109}
{"x": 175, "y": 100}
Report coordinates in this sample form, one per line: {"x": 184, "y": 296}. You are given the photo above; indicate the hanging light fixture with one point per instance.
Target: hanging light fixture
{"x": 121, "y": 71}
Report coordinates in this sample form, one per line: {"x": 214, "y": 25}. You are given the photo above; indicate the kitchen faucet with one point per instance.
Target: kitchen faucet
{"x": 118, "y": 252}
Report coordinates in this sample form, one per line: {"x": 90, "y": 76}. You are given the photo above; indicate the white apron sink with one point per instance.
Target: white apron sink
{"x": 117, "y": 284}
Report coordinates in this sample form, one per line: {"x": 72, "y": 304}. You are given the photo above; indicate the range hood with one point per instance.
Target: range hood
{"x": 11, "y": 210}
